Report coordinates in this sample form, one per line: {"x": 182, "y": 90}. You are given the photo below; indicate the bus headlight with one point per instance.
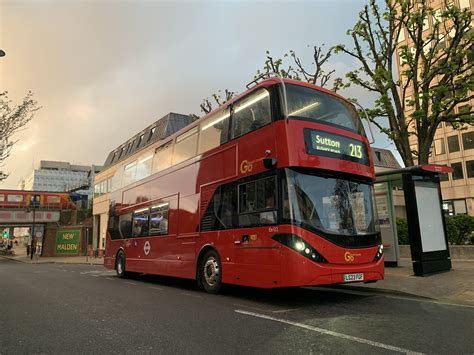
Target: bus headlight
{"x": 297, "y": 244}
{"x": 379, "y": 253}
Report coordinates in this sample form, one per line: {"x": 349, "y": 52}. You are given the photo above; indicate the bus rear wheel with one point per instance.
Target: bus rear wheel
{"x": 211, "y": 272}
{"x": 120, "y": 265}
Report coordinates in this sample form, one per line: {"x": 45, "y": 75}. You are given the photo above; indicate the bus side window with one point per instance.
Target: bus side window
{"x": 114, "y": 227}
{"x": 162, "y": 158}
{"x": 159, "y": 219}
{"x": 257, "y": 202}
{"x": 185, "y": 146}
{"x": 140, "y": 223}
{"x": 251, "y": 113}
{"x": 214, "y": 131}
{"x": 125, "y": 225}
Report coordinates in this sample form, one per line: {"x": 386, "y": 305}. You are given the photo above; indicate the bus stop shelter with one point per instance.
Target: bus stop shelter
{"x": 417, "y": 194}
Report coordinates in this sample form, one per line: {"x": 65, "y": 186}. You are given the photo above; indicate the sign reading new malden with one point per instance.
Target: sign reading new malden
{"x": 67, "y": 241}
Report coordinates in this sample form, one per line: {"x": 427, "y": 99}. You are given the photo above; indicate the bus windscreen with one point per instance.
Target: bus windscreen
{"x": 313, "y": 105}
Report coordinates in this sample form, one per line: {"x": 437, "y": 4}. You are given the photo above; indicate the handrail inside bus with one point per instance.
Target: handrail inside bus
{"x": 272, "y": 75}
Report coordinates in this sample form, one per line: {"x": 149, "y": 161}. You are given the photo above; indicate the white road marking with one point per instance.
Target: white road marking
{"x": 332, "y": 333}
{"x": 253, "y": 307}
{"x": 110, "y": 278}
{"x": 155, "y": 288}
{"x": 286, "y": 310}
{"x": 130, "y": 283}
{"x": 381, "y": 294}
{"x": 190, "y": 294}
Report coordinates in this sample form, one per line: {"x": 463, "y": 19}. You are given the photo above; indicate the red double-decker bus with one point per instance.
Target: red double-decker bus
{"x": 272, "y": 189}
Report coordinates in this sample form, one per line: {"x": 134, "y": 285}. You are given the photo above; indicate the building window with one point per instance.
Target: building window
{"x": 113, "y": 157}
{"x": 152, "y": 131}
{"x": 460, "y": 207}
{"x": 468, "y": 140}
{"x": 140, "y": 140}
{"x": 378, "y": 155}
{"x": 401, "y": 36}
{"x": 443, "y": 177}
{"x": 453, "y": 144}
{"x": 470, "y": 168}
{"x": 457, "y": 171}
{"x": 439, "y": 146}
{"x": 464, "y": 4}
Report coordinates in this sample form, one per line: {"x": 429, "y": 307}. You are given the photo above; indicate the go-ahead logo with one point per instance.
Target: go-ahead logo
{"x": 246, "y": 166}
{"x": 348, "y": 256}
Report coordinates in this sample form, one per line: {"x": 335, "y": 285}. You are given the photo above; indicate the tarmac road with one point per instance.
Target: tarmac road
{"x": 54, "y": 308}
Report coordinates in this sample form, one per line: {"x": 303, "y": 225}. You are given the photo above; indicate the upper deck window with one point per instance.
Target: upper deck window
{"x": 313, "y": 105}
{"x": 129, "y": 173}
{"x": 162, "y": 158}
{"x": 251, "y": 113}
{"x": 144, "y": 166}
{"x": 214, "y": 131}
{"x": 186, "y": 146}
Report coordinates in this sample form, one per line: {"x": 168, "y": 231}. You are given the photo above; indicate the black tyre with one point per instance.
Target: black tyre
{"x": 211, "y": 272}
{"x": 120, "y": 265}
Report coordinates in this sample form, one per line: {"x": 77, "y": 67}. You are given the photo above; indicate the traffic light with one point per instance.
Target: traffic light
{"x": 6, "y": 233}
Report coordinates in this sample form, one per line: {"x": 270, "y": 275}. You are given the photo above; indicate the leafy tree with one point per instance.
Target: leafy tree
{"x": 436, "y": 69}
{"x": 12, "y": 119}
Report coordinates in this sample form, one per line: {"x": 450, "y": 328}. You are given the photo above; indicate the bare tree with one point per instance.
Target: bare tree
{"x": 12, "y": 119}
{"x": 218, "y": 99}
{"x": 313, "y": 74}
{"x": 436, "y": 74}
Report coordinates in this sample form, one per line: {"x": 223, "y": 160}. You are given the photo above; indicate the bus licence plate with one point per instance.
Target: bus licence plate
{"x": 353, "y": 277}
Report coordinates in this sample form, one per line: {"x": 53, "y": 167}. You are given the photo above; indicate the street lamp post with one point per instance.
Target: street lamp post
{"x": 34, "y": 203}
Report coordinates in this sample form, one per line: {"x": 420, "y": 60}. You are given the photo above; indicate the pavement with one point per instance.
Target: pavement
{"x": 21, "y": 256}
{"x": 453, "y": 287}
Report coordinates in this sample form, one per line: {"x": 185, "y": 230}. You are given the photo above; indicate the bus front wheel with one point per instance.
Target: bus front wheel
{"x": 211, "y": 272}
{"x": 120, "y": 265}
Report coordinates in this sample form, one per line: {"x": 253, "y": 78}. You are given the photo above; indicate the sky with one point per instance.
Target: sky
{"x": 103, "y": 70}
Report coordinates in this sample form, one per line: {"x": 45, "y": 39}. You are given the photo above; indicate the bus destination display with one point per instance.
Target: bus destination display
{"x": 335, "y": 146}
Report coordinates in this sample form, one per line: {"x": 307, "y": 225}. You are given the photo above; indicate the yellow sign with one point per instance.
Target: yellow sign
{"x": 348, "y": 256}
